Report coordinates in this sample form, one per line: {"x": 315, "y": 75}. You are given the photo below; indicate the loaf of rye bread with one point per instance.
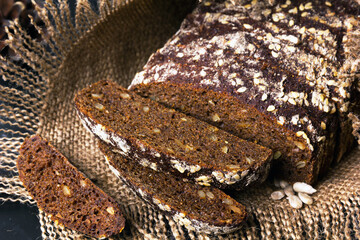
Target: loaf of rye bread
{"x": 169, "y": 141}
{"x": 278, "y": 73}
{"x": 199, "y": 208}
{"x": 64, "y": 193}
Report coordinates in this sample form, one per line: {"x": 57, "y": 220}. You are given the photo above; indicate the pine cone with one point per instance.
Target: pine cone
{"x": 18, "y": 9}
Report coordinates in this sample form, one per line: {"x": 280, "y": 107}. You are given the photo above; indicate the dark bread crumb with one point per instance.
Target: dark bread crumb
{"x": 205, "y": 209}
{"x": 166, "y": 140}
{"x": 64, "y": 193}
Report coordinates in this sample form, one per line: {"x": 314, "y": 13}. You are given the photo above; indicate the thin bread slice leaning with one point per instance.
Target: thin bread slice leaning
{"x": 64, "y": 193}
{"x": 199, "y": 208}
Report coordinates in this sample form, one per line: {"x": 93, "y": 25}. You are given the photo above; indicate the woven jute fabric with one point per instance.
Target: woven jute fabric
{"x": 113, "y": 39}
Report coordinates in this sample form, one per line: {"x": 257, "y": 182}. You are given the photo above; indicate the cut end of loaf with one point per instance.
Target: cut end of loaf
{"x": 291, "y": 65}
{"x": 292, "y": 157}
{"x": 64, "y": 193}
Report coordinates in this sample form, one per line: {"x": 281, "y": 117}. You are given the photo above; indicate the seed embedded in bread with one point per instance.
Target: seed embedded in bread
{"x": 277, "y": 155}
{"x": 202, "y": 194}
{"x": 300, "y": 164}
{"x": 210, "y": 195}
{"x": 66, "y": 190}
{"x": 99, "y": 106}
{"x": 110, "y": 210}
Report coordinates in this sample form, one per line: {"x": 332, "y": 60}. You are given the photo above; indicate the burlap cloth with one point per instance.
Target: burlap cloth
{"x": 113, "y": 39}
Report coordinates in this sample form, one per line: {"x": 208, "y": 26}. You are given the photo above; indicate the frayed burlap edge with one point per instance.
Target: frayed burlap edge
{"x": 81, "y": 51}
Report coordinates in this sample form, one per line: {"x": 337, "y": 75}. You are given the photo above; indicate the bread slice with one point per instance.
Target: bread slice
{"x": 169, "y": 141}
{"x": 64, "y": 193}
{"x": 279, "y": 75}
{"x": 199, "y": 208}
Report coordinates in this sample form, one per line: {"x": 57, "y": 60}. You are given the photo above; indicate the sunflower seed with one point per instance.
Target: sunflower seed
{"x": 156, "y": 130}
{"x": 277, "y": 155}
{"x": 233, "y": 167}
{"x": 124, "y": 95}
{"x": 270, "y": 108}
{"x": 110, "y": 210}
{"x": 96, "y": 96}
{"x": 146, "y": 109}
{"x": 300, "y": 164}
{"x": 303, "y": 187}
{"x": 99, "y": 106}
{"x": 215, "y": 117}
{"x": 289, "y": 191}
{"x": 234, "y": 209}
{"x": 299, "y": 145}
{"x": 295, "y": 201}
{"x": 277, "y": 195}
{"x": 249, "y": 160}
{"x": 213, "y": 137}
{"x": 225, "y": 149}
{"x": 201, "y": 194}
{"x": 83, "y": 183}
{"x": 228, "y": 201}
{"x": 210, "y": 195}
{"x": 66, "y": 190}
{"x": 283, "y": 184}
{"x": 305, "y": 198}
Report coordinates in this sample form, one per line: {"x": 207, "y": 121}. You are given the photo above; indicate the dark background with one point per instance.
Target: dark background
{"x": 19, "y": 221}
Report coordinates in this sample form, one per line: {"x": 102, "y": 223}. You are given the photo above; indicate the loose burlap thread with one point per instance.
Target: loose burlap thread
{"x": 113, "y": 40}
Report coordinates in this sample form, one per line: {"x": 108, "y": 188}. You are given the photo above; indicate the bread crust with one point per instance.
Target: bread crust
{"x": 291, "y": 68}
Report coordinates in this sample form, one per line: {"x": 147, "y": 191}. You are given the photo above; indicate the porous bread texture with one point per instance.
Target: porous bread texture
{"x": 169, "y": 141}
{"x": 198, "y": 208}
{"x": 64, "y": 193}
{"x": 279, "y": 75}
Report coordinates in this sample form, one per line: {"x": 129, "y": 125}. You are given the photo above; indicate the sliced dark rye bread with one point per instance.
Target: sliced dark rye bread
{"x": 280, "y": 76}
{"x": 166, "y": 140}
{"x": 199, "y": 208}
{"x": 64, "y": 193}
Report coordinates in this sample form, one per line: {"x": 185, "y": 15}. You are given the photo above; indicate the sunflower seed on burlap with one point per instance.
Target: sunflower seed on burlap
{"x": 283, "y": 184}
{"x": 305, "y": 198}
{"x": 303, "y": 187}
{"x": 288, "y": 190}
{"x": 277, "y": 195}
{"x": 295, "y": 201}
{"x": 297, "y": 194}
